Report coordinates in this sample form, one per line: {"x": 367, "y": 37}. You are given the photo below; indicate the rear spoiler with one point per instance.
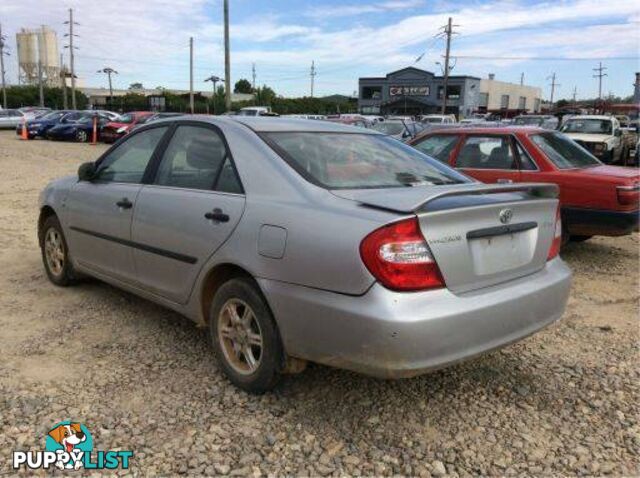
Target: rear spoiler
{"x": 415, "y": 199}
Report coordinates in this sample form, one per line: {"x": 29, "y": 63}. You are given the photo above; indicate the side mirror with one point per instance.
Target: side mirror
{"x": 87, "y": 171}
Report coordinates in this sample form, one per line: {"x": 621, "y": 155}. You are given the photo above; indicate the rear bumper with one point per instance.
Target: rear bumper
{"x": 389, "y": 334}
{"x": 598, "y": 222}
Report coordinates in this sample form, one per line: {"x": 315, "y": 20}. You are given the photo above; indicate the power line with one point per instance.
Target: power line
{"x": 547, "y": 58}
{"x": 70, "y": 35}
{"x": 312, "y": 74}
{"x": 599, "y": 76}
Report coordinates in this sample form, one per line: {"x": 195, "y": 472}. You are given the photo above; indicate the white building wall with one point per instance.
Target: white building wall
{"x": 496, "y": 89}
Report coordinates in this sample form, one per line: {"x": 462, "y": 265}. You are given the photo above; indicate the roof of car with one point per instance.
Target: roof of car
{"x": 596, "y": 117}
{"x": 481, "y": 130}
{"x": 273, "y": 124}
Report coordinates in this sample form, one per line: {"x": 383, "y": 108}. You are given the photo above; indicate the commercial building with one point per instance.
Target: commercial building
{"x": 508, "y": 99}
{"x": 412, "y": 91}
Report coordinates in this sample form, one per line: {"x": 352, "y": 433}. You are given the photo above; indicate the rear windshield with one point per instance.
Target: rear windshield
{"x": 351, "y": 160}
{"x": 563, "y": 151}
{"x": 534, "y": 120}
{"x": 126, "y": 118}
{"x": 593, "y": 126}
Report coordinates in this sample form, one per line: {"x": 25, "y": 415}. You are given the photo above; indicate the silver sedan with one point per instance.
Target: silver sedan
{"x": 296, "y": 240}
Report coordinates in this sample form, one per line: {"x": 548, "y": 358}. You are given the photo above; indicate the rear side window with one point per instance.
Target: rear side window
{"x": 353, "y": 160}
{"x": 526, "y": 162}
{"x": 564, "y": 152}
{"x": 197, "y": 158}
{"x": 486, "y": 152}
{"x": 438, "y": 146}
{"x": 128, "y": 162}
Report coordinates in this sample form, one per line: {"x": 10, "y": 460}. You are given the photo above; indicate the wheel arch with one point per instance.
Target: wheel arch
{"x": 46, "y": 211}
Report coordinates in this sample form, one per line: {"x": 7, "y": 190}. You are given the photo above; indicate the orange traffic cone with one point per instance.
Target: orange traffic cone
{"x": 94, "y": 135}
{"x": 23, "y": 133}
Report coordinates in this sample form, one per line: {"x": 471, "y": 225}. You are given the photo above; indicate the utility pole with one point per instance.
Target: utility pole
{"x": 553, "y": 86}
{"x": 599, "y": 76}
{"x": 575, "y": 94}
{"x": 63, "y": 77}
{"x": 522, "y": 78}
{"x": 2, "y": 54}
{"x": 253, "y": 74}
{"x": 213, "y": 79}
{"x": 109, "y": 71}
{"x": 448, "y": 32}
{"x": 227, "y": 59}
{"x": 71, "y": 23}
{"x": 191, "y": 75}
{"x": 313, "y": 75}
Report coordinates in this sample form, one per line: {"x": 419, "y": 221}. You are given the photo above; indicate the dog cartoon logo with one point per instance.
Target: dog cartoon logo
{"x": 69, "y": 441}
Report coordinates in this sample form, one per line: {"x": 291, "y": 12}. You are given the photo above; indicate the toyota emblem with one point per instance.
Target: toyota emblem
{"x": 505, "y": 216}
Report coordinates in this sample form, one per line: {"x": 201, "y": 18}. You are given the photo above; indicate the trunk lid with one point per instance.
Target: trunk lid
{"x": 479, "y": 234}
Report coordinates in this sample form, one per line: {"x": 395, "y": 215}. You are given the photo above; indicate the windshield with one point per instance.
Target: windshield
{"x": 389, "y": 128}
{"x": 528, "y": 121}
{"x": 589, "y": 126}
{"x": 344, "y": 161}
{"x": 126, "y": 118}
{"x": 52, "y": 116}
{"x": 435, "y": 119}
{"x": 563, "y": 151}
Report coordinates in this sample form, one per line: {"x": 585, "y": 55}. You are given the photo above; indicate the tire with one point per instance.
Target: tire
{"x": 56, "y": 260}
{"x": 82, "y": 136}
{"x": 249, "y": 366}
{"x": 574, "y": 238}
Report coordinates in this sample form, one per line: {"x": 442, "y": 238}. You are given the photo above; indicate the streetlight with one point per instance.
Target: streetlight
{"x": 109, "y": 71}
{"x": 214, "y": 79}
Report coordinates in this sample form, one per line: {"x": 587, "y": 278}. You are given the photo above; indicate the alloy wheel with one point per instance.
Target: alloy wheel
{"x": 240, "y": 336}
{"x": 54, "y": 251}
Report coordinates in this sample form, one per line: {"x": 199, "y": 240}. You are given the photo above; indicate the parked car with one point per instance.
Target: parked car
{"x": 254, "y": 111}
{"x": 438, "y": 119}
{"x": 596, "y": 199}
{"x": 398, "y": 129}
{"x": 38, "y": 127}
{"x": 600, "y": 135}
{"x": 255, "y": 228}
{"x": 541, "y": 121}
{"x": 115, "y": 130}
{"x": 80, "y": 130}
{"x": 112, "y": 115}
{"x": 11, "y": 118}
{"x": 154, "y": 117}
{"x": 350, "y": 120}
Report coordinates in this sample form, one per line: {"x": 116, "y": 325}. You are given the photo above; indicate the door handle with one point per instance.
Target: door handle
{"x": 124, "y": 203}
{"x": 504, "y": 181}
{"x": 217, "y": 215}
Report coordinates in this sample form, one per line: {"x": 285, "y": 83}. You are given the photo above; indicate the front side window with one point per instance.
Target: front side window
{"x": 344, "y": 161}
{"x": 193, "y": 160}
{"x": 486, "y": 152}
{"x": 563, "y": 151}
{"x": 128, "y": 162}
{"x": 438, "y": 146}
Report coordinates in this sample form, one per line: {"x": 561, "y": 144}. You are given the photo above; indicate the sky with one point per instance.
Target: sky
{"x": 147, "y": 41}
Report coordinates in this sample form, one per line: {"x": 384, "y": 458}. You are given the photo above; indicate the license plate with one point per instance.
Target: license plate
{"x": 502, "y": 253}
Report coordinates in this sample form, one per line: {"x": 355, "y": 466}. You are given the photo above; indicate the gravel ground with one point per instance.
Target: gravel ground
{"x": 564, "y": 402}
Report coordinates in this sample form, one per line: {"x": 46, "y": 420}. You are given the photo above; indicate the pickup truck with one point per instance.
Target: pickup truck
{"x": 602, "y": 136}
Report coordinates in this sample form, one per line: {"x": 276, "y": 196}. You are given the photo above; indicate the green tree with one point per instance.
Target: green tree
{"x": 243, "y": 86}
{"x": 136, "y": 86}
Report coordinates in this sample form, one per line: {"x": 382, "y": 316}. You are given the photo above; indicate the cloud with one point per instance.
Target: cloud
{"x": 361, "y": 9}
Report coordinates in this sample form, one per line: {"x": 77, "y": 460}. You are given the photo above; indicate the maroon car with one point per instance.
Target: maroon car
{"x": 115, "y": 130}
{"x": 596, "y": 199}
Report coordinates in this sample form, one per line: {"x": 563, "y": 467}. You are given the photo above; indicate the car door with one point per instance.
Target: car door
{"x": 192, "y": 206}
{"x": 489, "y": 158}
{"x": 99, "y": 212}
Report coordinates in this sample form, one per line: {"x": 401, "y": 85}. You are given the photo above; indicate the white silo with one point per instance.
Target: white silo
{"x": 38, "y": 46}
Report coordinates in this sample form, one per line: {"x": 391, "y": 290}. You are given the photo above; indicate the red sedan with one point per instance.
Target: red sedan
{"x": 596, "y": 199}
{"x": 115, "y": 130}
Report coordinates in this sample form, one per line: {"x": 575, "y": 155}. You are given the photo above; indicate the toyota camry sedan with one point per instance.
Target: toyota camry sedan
{"x": 296, "y": 241}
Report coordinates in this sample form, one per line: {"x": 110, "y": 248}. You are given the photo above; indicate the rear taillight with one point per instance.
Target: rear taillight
{"x": 554, "y": 250}
{"x": 628, "y": 195}
{"x": 398, "y": 256}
